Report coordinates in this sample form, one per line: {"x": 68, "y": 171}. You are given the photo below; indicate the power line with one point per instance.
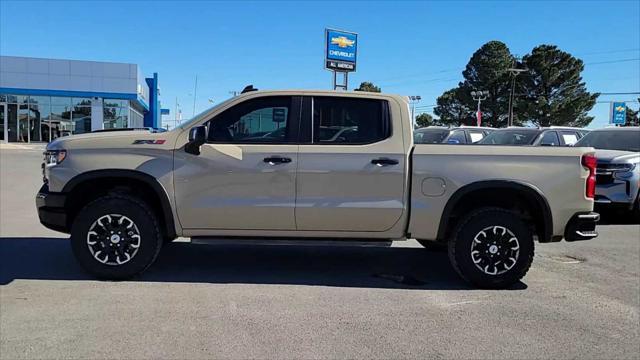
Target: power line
{"x": 612, "y": 61}
{"x": 621, "y": 93}
{"x": 610, "y": 52}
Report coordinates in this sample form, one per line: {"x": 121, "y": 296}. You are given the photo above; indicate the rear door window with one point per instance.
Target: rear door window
{"x": 476, "y": 135}
{"x": 569, "y": 137}
{"x": 550, "y": 138}
{"x": 349, "y": 121}
{"x": 457, "y": 137}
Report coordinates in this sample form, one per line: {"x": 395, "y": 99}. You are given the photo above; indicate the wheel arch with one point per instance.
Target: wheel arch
{"x": 534, "y": 201}
{"x": 117, "y": 178}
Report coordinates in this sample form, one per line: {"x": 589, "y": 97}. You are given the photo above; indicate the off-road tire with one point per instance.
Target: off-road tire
{"x": 460, "y": 247}
{"x": 145, "y": 220}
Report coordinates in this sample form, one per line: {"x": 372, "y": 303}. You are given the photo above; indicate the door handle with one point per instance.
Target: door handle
{"x": 384, "y": 162}
{"x": 272, "y": 160}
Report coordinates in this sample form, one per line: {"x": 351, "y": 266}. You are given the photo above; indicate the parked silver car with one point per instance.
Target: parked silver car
{"x": 618, "y": 169}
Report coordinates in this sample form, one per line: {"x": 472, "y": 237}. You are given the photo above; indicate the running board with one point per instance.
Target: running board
{"x": 280, "y": 241}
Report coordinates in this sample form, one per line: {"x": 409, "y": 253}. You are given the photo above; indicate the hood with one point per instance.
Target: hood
{"x": 609, "y": 156}
{"x": 112, "y": 139}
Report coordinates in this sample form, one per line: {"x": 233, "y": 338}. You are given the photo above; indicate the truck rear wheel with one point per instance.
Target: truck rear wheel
{"x": 116, "y": 237}
{"x": 491, "y": 248}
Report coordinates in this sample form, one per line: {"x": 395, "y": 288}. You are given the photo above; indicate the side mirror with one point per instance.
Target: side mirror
{"x": 197, "y": 137}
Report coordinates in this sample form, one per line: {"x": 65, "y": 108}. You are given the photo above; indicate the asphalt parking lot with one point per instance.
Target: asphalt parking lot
{"x": 579, "y": 300}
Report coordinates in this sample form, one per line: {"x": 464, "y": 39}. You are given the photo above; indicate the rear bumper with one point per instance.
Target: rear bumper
{"x": 51, "y": 209}
{"x": 582, "y": 226}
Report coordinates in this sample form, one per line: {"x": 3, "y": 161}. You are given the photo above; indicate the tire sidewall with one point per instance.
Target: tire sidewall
{"x": 150, "y": 237}
{"x": 472, "y": 226}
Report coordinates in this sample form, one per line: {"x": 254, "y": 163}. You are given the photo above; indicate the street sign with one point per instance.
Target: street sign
{"x": 618, "y": 113}
{"x": 279, "y": 115}
{"x": 340, "y": 50}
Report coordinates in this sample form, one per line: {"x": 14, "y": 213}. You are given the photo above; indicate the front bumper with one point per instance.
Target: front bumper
{"x": 51, "y": 210}
{"x": 582, "y": 226}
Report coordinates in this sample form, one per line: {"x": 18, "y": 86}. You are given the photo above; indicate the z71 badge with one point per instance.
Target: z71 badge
{"x": 148, "y": 142}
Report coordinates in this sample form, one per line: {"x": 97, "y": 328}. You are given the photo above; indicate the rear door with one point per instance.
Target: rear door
{"x": 351, "y": 171}
{"x": 245, "y": 176}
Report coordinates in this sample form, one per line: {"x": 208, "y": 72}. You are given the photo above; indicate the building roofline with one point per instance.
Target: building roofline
{"x": 59, "y": 59}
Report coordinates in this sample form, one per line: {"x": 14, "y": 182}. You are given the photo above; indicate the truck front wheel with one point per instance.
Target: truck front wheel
{"x": 491, "y": 248}
{"x": 116, "y": 237}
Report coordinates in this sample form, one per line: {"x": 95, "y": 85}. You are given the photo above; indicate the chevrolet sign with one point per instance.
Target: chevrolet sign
{"x": 340, "y": 50}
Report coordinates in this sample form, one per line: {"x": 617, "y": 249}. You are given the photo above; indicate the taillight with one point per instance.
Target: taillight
{"x": 589, "y": 162}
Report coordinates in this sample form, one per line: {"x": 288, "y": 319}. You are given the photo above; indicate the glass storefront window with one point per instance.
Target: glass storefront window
{"x": 11, "y": 99}
{"x": 39, "y": 100}
{"x": 116, "y": 103}
{"x": 115, "y": 117}
{"x": 81, "y": 116}
{"x": 23, "y": 123}
{"x": 60, "y": 121}
{"x": 59, "y": 100}
{"x": 80, "y": 101}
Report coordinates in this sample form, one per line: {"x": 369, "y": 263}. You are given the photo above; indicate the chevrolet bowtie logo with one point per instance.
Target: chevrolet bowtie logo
{"x": 342, "y": 41}
{"x": 619, "y": 108}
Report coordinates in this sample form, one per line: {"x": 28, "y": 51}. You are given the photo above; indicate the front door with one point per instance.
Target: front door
{"x": 245, "y": 175}
{"x": 351, "y": 174}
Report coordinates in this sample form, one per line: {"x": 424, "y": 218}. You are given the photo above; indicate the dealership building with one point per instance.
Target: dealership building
{"x": 42, "y": 99}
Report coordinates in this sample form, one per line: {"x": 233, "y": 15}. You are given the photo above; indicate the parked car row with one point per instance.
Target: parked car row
{"x": 551, "y": 136}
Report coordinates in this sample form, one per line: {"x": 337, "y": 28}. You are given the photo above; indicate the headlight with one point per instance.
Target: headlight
{"x": 54, "y": 157}
{"x": 621, "y": 167}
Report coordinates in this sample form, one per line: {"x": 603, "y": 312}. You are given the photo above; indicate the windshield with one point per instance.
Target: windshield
{"x": 430, "y": 136}
{"x": 612, "y": 140}
{"x": 510, "y": 137}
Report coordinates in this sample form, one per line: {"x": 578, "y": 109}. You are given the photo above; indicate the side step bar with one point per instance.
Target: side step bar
{"x": 280, "y": 241}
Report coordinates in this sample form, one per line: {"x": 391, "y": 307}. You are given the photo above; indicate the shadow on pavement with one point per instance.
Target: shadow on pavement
{"x": 396, "y": 268}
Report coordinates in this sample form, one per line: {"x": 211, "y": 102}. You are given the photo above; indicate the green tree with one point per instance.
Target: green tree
{"x": 368, "y": 86}
{"x": 451, "y": 110}
{"x": 553, "y": 90}
{"x": 633, "y": 117}
{"x": 486, "y": 70}
{"x": 424, "y": 120}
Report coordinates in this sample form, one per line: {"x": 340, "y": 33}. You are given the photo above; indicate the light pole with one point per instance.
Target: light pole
{"x": 479, "y": 96}
{"x": 414, "y": 100}
{"x": 514, "y": 72}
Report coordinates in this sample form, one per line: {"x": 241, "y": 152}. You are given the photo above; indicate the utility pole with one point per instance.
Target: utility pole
{"x": 233, "y": 93}
{"x": 479, "y": 96}
{"x": 176, "y": 114}
{"x": 514, "y": 72}
{"x": 195, "y": 92}
{"x": 414, "y": 99}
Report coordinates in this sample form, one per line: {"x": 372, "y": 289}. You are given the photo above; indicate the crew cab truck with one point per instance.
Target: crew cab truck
{"x": 271, "y": 165}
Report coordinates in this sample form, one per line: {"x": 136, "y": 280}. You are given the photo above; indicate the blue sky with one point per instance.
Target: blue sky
{"x": 411, "y": 48}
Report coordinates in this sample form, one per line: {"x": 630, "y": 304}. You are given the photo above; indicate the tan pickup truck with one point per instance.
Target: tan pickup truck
{"x": 309, "y": 166}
